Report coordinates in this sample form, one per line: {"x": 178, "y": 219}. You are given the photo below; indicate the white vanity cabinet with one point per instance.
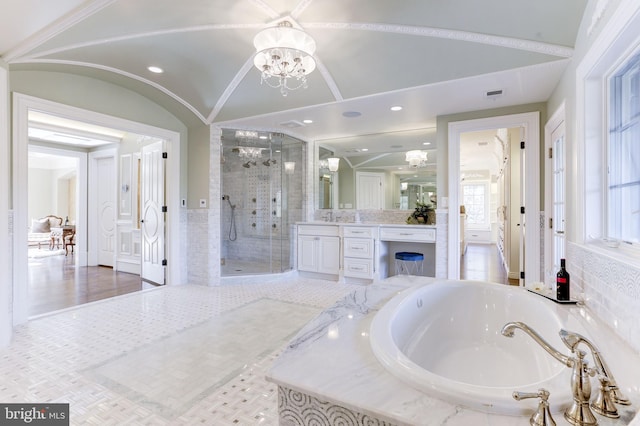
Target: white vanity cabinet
{"x": 319, "y": 249}
{"x": 358, "y": 251}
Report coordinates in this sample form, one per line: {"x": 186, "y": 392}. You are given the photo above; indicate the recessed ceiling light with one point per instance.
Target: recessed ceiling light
{"x": 351, "y": 114}
{"x": 263, "y": 137}
{"x": 156, "y": 70}
{"x": 307, "y": 121}
{"x": 396, "y": 108}
{"x": 426, "y": 143}
{"x": 365, "y": 149}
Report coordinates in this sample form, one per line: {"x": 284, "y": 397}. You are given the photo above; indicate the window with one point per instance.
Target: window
{"x": 623, "y": 153}
{"x": 475, "y": 200}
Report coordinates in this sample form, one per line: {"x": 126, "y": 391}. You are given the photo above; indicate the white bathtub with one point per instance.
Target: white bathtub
{"x": 444, "y": 339}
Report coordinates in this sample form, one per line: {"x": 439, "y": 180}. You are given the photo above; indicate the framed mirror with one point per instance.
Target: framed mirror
{"x": 375, "y": 172}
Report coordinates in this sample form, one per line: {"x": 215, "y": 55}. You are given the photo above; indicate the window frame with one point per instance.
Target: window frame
{"x": 617, "y": 119}
{"x": 487, "y": 200}
{"x": 614, "y": 46}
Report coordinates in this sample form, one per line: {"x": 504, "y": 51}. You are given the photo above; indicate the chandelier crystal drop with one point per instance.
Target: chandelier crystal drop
{"x": 284, "y": 57}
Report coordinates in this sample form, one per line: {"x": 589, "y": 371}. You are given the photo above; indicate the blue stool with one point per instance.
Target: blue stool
{"x": 409, "y": 263}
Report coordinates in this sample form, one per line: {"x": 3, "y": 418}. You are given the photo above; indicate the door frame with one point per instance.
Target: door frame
{"x": 21, "y": 105}
{"x": 530, "y": 122}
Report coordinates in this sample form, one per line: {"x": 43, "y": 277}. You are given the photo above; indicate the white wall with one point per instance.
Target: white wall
{"x": 41, "y": 194}
{"x": 6, "y": 308}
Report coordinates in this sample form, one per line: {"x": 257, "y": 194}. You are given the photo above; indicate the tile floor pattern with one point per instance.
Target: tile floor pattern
{"x": 61, "y": 357}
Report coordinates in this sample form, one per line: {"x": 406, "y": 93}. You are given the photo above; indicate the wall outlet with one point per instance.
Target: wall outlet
{"x": 203, "y": 203}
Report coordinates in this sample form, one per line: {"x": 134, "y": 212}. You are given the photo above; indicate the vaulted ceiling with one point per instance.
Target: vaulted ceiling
{"x": 430, "y": 56}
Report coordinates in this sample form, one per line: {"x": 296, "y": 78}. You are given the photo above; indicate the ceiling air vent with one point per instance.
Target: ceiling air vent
{"x": 493, "y": 94}
{"x": 291, "y": 124}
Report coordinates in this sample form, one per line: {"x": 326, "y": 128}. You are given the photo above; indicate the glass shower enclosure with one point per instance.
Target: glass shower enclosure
{"x": 262, "y": 176}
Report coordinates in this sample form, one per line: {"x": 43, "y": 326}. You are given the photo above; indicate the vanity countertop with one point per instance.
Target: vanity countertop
{"x": 368, "y": 224}
{"x": 331, "y": 359}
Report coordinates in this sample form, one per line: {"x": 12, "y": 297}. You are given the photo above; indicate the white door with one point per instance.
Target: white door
{"x": 106, "y": 210}
{"x": 558, "y": 199}
{"x": 152, "y": 217}
{"x": 369, "y": 191}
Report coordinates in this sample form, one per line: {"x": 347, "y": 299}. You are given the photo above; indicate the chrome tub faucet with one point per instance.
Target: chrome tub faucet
{"x": 579, "y": 413}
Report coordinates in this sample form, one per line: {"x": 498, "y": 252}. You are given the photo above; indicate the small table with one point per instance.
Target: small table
{"x": 58, "y": 234}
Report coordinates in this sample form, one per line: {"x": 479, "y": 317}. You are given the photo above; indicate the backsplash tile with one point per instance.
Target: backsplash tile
{"x": 610, "y": 287}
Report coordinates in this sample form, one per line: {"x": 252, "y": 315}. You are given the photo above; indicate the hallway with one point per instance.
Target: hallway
{"x": 482, "y": 262}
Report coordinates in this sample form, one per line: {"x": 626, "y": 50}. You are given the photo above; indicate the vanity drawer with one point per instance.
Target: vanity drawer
{"x": 358, "y": 247}
{"x": 407, "y": 233}
{"x": 358, "y": 268}
{"x": 321, "y": 230}
{"x": 358, "y": 231}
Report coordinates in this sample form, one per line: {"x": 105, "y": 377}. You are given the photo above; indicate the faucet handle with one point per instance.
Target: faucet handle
{"x": 604, "y": 402}
{"x": 542, "y": 417}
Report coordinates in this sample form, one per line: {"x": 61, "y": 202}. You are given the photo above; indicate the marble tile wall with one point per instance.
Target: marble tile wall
{"x": 197, "y": 253}
{"x": 215, "y": 198}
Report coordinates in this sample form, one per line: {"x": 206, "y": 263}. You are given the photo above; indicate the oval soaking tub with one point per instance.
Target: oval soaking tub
{"x": 444, "y": 339}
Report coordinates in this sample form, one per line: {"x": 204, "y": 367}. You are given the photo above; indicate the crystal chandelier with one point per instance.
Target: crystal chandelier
{"x": 416, "y": 158}
{"x": 284, "y": 54}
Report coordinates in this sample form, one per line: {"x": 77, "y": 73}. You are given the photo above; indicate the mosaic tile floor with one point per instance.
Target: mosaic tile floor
{"x": 184, "y": 355}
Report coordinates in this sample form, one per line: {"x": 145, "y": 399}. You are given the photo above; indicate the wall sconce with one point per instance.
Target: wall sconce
{"x": 404, "y": 186}
{"x": 334, "y": 163}
{"x": 289, "y": 167}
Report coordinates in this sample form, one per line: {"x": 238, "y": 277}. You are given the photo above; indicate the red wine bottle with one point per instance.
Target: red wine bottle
{"x": 562, "y": 282}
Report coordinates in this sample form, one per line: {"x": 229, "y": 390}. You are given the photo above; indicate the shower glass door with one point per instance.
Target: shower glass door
{"x": 258, "y": 192}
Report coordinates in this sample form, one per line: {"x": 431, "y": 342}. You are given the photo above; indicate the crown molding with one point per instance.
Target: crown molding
{"x": 471, "y": 37}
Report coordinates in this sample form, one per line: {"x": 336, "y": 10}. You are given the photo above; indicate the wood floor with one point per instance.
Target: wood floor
{"x": 55, "y": 283}
{"x": 482, "y": 262}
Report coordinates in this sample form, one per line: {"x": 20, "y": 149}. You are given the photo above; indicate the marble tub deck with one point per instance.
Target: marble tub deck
{"x": 330, "y": 361}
